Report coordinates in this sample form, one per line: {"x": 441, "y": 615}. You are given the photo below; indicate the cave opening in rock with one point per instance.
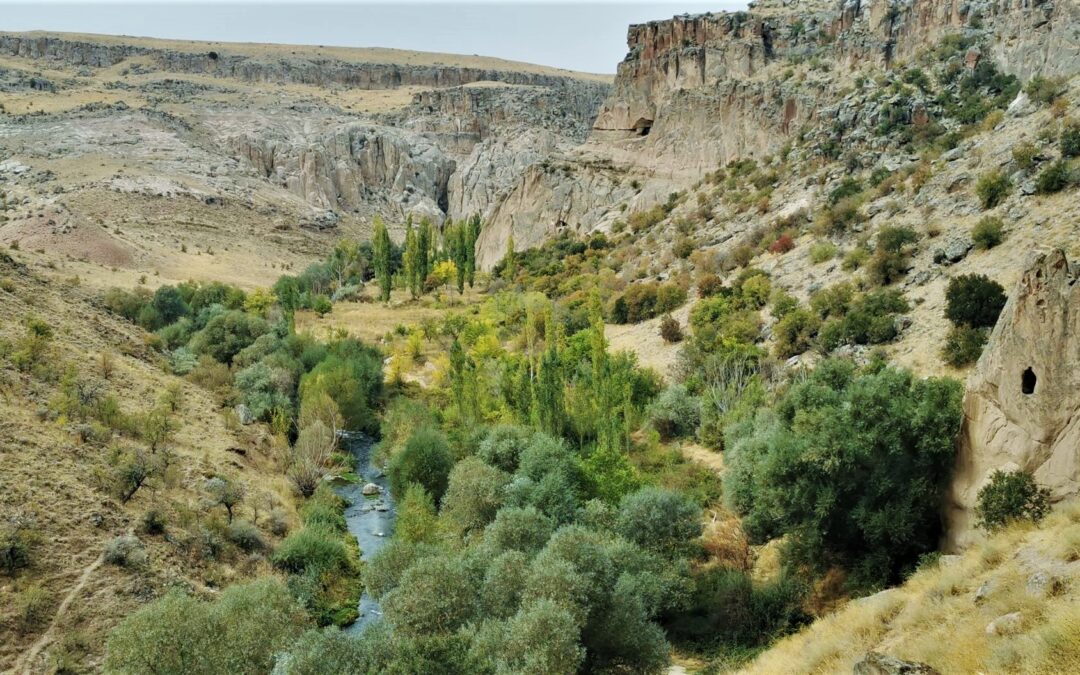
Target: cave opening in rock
{"x": 643, "y": 126}
{"x": 1027, "y": 381}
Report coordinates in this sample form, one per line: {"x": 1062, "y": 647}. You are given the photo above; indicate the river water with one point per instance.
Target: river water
{"x": 369, "y": 519}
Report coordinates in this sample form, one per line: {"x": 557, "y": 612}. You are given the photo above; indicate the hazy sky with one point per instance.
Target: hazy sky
{"x": 581, "y": 36}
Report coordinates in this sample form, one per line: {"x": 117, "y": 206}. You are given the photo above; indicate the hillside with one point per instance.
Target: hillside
{"x": 760, "y": 357}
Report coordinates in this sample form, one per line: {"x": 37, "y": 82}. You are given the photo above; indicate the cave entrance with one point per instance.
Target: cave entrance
{"x": 1028, "y": 381}
{"x": 643, "y": 126}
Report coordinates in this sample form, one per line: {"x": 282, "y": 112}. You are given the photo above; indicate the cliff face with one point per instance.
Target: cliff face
{"x": 726, "y": 67}
{"x": 312, "y": 71}
{"x": 1022, "y": 406}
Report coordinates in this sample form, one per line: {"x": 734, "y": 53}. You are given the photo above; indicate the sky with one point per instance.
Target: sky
{"x": 587, "y": 36}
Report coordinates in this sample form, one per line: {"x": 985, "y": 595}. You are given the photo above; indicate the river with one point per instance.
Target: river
{"x": 369, "y": 519}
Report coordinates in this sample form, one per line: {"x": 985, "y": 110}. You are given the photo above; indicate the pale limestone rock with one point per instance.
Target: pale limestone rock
{"x": 1023, "y": 399}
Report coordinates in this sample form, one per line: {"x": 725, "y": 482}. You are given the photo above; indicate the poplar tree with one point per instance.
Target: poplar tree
{"x": 411, "y": 261}
{"x": 380, "y": 245}
{"x": 425, "y": 243}
{"x": 509, "y": 260}
{"x": 473, "y": 232}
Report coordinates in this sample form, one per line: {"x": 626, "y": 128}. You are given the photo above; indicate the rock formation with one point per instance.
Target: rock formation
{"x": 1022, "y": 406}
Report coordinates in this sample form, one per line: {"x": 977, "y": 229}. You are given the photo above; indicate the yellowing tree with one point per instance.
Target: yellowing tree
{"x": 259, "y": 301}
{"x": 445, "y": 272}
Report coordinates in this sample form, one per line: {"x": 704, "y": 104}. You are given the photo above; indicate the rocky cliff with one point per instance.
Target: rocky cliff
{"x": 1022, "y": 406}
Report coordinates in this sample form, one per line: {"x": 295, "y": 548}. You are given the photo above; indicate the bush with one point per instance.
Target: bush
{"x": 125, "y": 551}
{"x": 227, "y": 334}
{"x": 659, "y": 520}
{"x": 851, "y": 467}
{"x": 475, "y": 492}
{"x": 325, "y": 508}
{"x": 675, "y": 413}
{"x": 963, "y": 345}
{"x": 992, "y": 188}
{"x": 33, "y": 606}
{"x": 1054, "y": 178}
{"x": 974, "y": 300}
{"x": 709, "y": 285}
{"x": 988, "y": 233}
{"x": 670, "y": 330}
{"x": 425, "y": 460}
{"x": 245, "y": 536}
{"x": 890, "y": 260}
{"x": 317, "y": 548}
{"x": 17, "y": 542}
{"x": 153, "y": 522}
{"x": 1011, "y": 496}
{"x": 822, "y": 251}
{"x": 1044, "y": 90}
{"x": 1070, "y": 140}
{"x": 1024, "y": 155}
{"x": 503, "y": 445}
{"x": 241, "y": 632}
{"x": 783, "y": 244}
{"x": 795, "y": 332}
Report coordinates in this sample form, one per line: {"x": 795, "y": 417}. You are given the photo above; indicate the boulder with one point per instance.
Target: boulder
{"x": 983, "y": 591}
{"x": 243, "y": 413}
{"x": 1043, "y": 585}
{"x": 1007, "y": 624}
{"x": 883, "y": 664}
{"x": 370, "y": 489}
{"x": 1022, "y": 405}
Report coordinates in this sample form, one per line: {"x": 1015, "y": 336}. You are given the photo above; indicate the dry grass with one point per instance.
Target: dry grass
{"x": 49, "y": 474}
{"x": 934, "y": 618}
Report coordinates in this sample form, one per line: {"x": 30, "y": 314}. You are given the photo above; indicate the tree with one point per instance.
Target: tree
{"x": 226, "y": 493}
{"x": 974, "y": 300}
{"x": 510, "y": 260}
{"x": 475, "y": 492}
{"x": 310, "y": 456}
{"x": 259, "y": 302}
{"x": 380, "y": 242}
{"x": 473, "y": 234}
{"x": 659, "y": 520}
{"x": 425, "y": 245}
{"x": 425, "y": 460}
{"x": 241, "y": 632}
{"x": 411, "y": 261}
{"x": 417, "y": 521}
{"x": 851, "y": 466}
{"x": 445, "y": 272}
{"x": 1011, "y": 496}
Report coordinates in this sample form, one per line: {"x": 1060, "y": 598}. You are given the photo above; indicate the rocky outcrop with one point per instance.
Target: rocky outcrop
{"x": 1022, "y": 406}
{"x": 311, "y": 70}
{"x": 354, "y": 167}
{"x": 883, "y": 664}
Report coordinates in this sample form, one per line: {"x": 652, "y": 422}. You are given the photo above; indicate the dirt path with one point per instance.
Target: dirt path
{"x": 704, "y": 456}
{"x": 26, "y": 662}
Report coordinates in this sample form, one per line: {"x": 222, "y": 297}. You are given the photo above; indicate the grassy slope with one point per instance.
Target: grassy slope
{"x": 935, "y": 617}
{"x": 48, "y": 476}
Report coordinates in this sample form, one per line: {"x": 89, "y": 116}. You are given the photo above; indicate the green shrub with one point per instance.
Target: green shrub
{"x": 317, "y": 548}
{"x": 854, "y": 259}
{"x": 675, "y": 413}
{"x": 1070, "y": 140}
{"x": 325, "y": 508}
{"x": 1054, "y": 178}
{"x": 1024, "y": 155}
{"x": 1044, "y": 90}
{"x": 849, "y": 187}
{"x": 891, "y": 256}
{"x": 1011, "y": 496}
{"x": 503, "y": 445}
{"x": 33, "y": 606}
{"x": 822, "y": 251}
{"x": 850, "y": 466}
{"x": 475, "y": 492}
{"x": 659, "y": 520}
{"x": 125, "y": 551}
{"x": 963, "y": 345}
{"x": 974, "y": 300}
{"x": 992, "y": 188}
{"x": 988, "y": 233}
{"x": 153, "y": 522}
{"x": 17, "y": 543}
{"x": 795, "y": 332}
{"x": 240, "y": 632}
{"x": 425, "y": 460}
{"x": 226, "y": 334}
{"x": 245, "y": 536}
{"x": 709, "y": 285}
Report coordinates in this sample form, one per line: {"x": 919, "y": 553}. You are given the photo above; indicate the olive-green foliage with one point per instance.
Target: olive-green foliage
{"x": 1011, "y": 496}
{"x": 525, "y": 530}
{"x": 325, "y": 508}
{"x": 890, "y": 260}
{"x": 226, "y": 334}
{"x": 795, "y": 332}
{"x": 503, "y": 445}
{"x": 645, "y": 300}
{"x": 868, "y": 319}
{"x": 992, "y": 188}
{"x": 416, "y": 517}
{"x": 425, "y": 460}
{"x": 351, "y": 374}
{"x": 542, "y": 638}
{"x": 1054, "y": 178}
{"x": 17, "y": 544}
{"x": 317, "y": 547}
{"x": 675, "y": 413}
{"x": 730, "y": 612}
{"x": 974, "y": 300}
{"x": 850, "y": 466}
{"x": 988, "y": 233}
{"x": 964, "y": 345}
{"x": 1044, "y": 89}
{"x": 1070, "y": 140}
{"x": 822, "y": 251}
{"x": 659, "y": 520}
{"x": 240, "y": 632}
{"x": 474, "y": 494}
